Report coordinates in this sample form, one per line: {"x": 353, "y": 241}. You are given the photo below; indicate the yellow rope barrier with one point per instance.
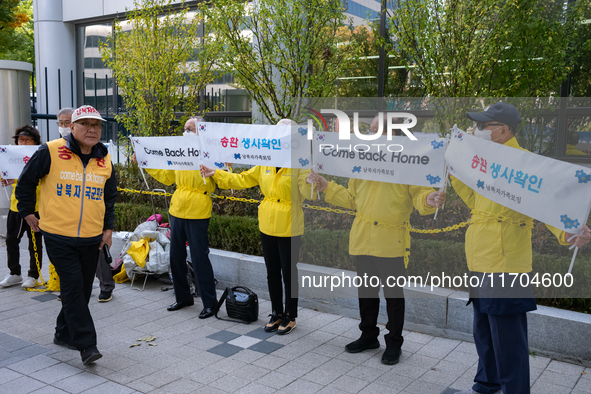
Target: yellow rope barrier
{"x": 54, "y": 280}
{"x": 486, "y": 217}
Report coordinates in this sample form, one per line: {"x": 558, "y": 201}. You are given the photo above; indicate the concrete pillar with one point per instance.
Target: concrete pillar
{"x": 55, "y": 48}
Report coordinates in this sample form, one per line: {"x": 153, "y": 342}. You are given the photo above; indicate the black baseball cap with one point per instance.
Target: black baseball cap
{"x": 501, "y": 112}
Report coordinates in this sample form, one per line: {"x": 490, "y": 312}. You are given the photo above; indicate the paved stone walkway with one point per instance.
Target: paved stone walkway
{"x": 213, "y": 356}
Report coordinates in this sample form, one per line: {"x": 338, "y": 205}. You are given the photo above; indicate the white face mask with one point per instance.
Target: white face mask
{"x": 64, "y": 131}
{"x": 485, "y": 134}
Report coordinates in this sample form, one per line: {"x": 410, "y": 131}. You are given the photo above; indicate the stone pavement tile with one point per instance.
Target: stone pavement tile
{"x": 244, "y": 342}
{"x": 408, "y": 370}
{"x": 422, "y": 361}
{"x": 301, "y": 386}
{"x": 394, "y": 381}
{"x": 459, "y": 357}
{"x": 328, "y": 350}
{"x": 295, "y": 369}
{"x": 79, "y": 382}
{"x": 375, "y": 388}
{"x": 360, "y": 358}
{"x": 24, "y": 384}
{"x": 434, "y": 351}
{"x": 321, "y": 377}
{"x": 451, "y": 368}
{"x": 138, "y": 371}
{"x": 55, "y": 373}
{"x": 49, "y": 390}
{"x": 223, "y": 336}
{"x": 539, "y": 361}
{"x": 376, "y": 363}
{"x": 203, "y": 344}
{"x": 255, "y": 388}
{"x": 328, "y": 390}
{"x": 251, "y": 372}
{"x": 549, "y": 388}
{"x": 181, "y": 386}
{"x": 225, "y": 350}
{"x": 247, "y": 356}
{"x": 365, "y": 373}
{"x": 340, "y": 326}
{"x": 206, "y": 375}
{"x": 418, "y": 337}
{"x": 320, "y": 337}
{"x": 422, "y": 387}
{"x": 160, "y": 378}
{"x": 336, "y": 365}
{"x": 583, "y": 386}
{"x": 259, "y": 333}
{"x": 534, "y": 374}
{"x": 349, "y": 384}
{"x": 411, "y": 347}
{"x": 439, "y": 378}
{"x": 10, "y": 343}
{"x": 244, "y": 329}
{"x": 141, "y": 386}
{"x": 207, "y": 390}
{"x": 33, "y": 364}
{"x": 566, "y": 368}
{"x": 561, "y": 379}
{"x": 462, "y": 384}
{"x": 6, "y": 375}
{"x": 230, "y": 383}
{"x": 313, "y": 359}
{"x": 270, "y": 362}
{"x": 467, "y": 347}
{"x": 228, "y": 365}
{"x": 276, "y": 380}
{"x": 109, "y": 387}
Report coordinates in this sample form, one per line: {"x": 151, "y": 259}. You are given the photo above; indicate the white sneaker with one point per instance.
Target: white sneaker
{"x": 29, "y": 282}
{"x": 11, "y": 280}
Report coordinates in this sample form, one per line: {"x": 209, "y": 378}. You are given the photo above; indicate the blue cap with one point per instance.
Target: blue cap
{"x": 501, "y": 112}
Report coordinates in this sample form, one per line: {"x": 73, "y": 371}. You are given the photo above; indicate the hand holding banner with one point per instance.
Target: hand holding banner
{"x": 551, "y": 191}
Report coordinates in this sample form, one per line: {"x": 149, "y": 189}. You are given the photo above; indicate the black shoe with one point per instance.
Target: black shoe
{"x": 179, "y": 305}
{"x": 362, "y": 344}
{"x": 391, "y": 356}
{"x": 287, "y": 325}
{"x": 90, "y": 355}
{"x": 274, "y": 323}
{"x": 105, "y": 296}
{"x": 205, "y": 313}
{"x": 61, "y": 341}
{"x": 59, "y": 297}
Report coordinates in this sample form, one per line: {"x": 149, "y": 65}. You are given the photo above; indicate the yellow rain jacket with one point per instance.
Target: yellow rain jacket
{"x": 379, "y": 205}
{"x": 14, "y": 201}
{"x": 494, "y": 246}
{"x": 191, "y": 198}
{"x": 279, "y": 215}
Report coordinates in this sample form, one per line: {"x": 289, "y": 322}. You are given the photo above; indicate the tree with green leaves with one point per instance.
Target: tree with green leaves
{"x": 16, "y": 30}
{"x": 152, "y": 55}
{"x": 486, "y": 49}
{"x": 280, "y": 50}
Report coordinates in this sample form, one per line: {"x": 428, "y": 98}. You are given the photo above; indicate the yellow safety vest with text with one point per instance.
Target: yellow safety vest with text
{"x": 72, "y": 197}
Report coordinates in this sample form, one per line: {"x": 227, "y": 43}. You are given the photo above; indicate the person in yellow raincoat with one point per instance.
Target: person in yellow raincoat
{"x": 190, "y": 211}
{"x": 281, "y": 222}
{"x": 378, "y": 240}
{"x": 498, "y": 246}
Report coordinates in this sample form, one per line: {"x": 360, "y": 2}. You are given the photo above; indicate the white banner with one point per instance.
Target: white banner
{"x": 551, "y": 191}
{"x": 13, "y": 159}
{"x": 399, "y": 160}
{"x": 265, "y": 145}
{"x": 167, "y": 153}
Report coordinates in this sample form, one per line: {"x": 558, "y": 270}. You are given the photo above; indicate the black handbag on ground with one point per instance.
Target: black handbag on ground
{"x": 242, "y": 304}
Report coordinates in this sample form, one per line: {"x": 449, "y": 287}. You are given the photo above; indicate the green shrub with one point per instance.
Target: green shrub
{"x": 235, "y": 234}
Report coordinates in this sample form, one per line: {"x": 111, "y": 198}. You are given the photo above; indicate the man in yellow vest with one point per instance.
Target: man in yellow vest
{"x": 76, "y": 209}
{"x": 498, "y": 246}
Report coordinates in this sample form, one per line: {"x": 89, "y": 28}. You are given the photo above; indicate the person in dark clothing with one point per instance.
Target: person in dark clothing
{"x": 16, "y": 226}
{"x": 76, "y": 209}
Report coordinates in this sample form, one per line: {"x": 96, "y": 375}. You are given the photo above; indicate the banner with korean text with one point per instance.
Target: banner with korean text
{"x": 167, "y": 153}
{"x": 265, "y": 145}
{"x": 13, "y": 159}
{"x": 551, "y": 191}
{"x": 399, "y": 160}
